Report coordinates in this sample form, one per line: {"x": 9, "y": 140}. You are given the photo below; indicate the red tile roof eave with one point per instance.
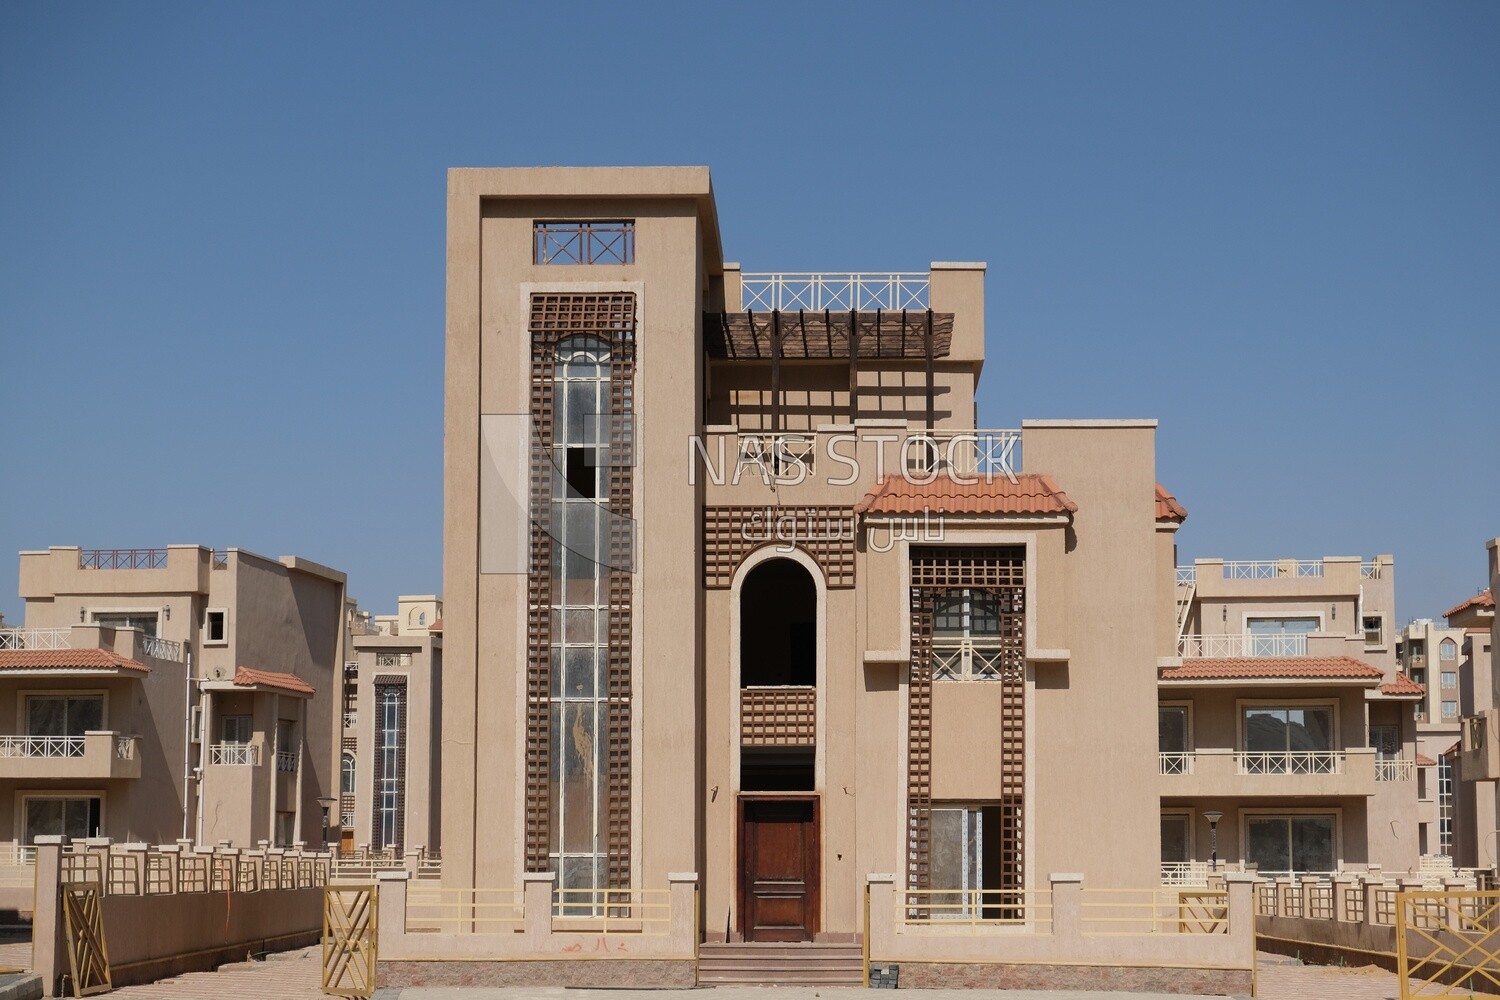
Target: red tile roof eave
{"x": 1168, "y": 508}
{"x": 1404, "y": 688}
{"x": 1030, "y": 495}
{"x": 1425, "y": 761}
{"x": 1483, "y": 599}
{"x": 68, "y": 659}
{"x": 1326, "y": 669}
{"x": 250, "y": 677}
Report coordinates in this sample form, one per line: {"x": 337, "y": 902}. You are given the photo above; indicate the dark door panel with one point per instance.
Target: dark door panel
{"x": 779, "y": 859}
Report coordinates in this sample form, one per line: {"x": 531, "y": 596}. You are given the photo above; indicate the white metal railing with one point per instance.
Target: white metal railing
{"x": 1177, "y": 763}
{"x": 235, "y": 754}
{"x": 41, "y": 746}
{"x": 1184, "y": 874}
{"x": 125, "y": 747}
{"x": 1369, "y": 570}
{"x": 971, "y": 659}
{"x": 36, "y": 638}
{"x": 1187, "y": 575}
{"x": 1395, "y": 770}
{"x": 1291, "y": 762}
{"x": 817, "y": 290}
{"x": 286, "y": 760}
{"x": 1271, "y": 569}
{"x": 1221, "y": 646}
{"x": 778, "y": 453}
{"x": 161, "y": 649}
{"x": 964, "y": 453}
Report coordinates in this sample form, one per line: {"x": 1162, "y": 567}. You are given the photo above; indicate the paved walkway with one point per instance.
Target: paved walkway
{"x": 294, "y": 975}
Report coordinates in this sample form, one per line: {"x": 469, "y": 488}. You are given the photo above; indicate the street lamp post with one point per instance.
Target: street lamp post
{"x": 1213, "y": 816}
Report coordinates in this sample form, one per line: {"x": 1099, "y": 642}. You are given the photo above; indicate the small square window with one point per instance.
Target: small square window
{"x": 216, "y": 627}
{"x": 1374, "y": 630}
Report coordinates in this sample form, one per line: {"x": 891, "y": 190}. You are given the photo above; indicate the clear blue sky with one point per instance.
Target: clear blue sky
{"x": 1276, "y": 227}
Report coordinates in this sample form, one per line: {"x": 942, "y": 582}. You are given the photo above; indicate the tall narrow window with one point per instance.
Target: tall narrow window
{"x": 579, "y": 591}
{"x": 1445, "y": 805}
{"x": 390, "y": 762}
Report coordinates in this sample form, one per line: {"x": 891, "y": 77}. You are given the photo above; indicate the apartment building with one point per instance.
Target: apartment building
{"x": 735, "y": 586}
{"x": 389, "y": 716}
{"x": 1287, "y": 734}
{"x": 1433, "y": 657}
{"x": 1475, "y": 822}
{"x": 154, "y": 694}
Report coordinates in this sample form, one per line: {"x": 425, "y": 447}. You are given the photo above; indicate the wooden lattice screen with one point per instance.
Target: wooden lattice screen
{"x": 611, "y": 318}
{"x": 999, "y": 572}
{"x": 732, "y": 532}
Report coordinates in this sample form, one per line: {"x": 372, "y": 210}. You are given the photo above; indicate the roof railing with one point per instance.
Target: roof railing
{"x": 834, "y": 290}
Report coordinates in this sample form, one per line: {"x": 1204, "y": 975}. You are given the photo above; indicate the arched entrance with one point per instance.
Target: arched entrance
{"x": 780, "y": 839}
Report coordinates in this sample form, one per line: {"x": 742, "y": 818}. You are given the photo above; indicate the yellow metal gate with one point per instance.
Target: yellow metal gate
{"x": 83, "y": 919}
{"x": 350, "y": 931}
{"x": 1447, "y": 943}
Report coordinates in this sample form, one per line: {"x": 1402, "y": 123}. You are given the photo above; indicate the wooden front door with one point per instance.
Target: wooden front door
{"x": 779, "y": 869}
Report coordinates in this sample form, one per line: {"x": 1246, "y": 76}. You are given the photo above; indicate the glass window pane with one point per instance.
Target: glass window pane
{"x": 1312, "y": 843}
{"x": 1265, "y": 730}
{"x": 580, "y": 682}
{"x": 1174, "y": 839}
{"x": 579, "y": 755}
{"x": 76, "y": 813}
{"x": 85, "y": 715}
{"x": 985, "y": 615}
{"x": 44, "y": 817}
{"x": 948, "y": 614}
{"x": 1171, "y": 729}
{"x": 1310, "y": 729}
{"x": 1267, "y": 844}
{"x": 947, "y": 849}
{"x": 46, "y": 716}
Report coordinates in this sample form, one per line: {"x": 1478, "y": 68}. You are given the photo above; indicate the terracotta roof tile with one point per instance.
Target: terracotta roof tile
{"x": 67, "y": 659}
{"x": 1029, "y": 494}
{"x": 1167, "y": 507}
{"x": 436, "y": 626}
{"x": 1483, "y": 599}
{"x": 1453, "y": 748}
{"x": 1272, "y": 668}
{"x": 1425, "y": 761}
{"x": 249, "y": 677}
{"x": 1404, "y": 685}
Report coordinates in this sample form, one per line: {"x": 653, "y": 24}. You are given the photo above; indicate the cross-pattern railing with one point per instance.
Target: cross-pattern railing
{"x": 1291, "y": 762}
{"x": 1395, "y": 770}
{"x": 963, "y": 453}
{"x": 122, "y": 558}
{"x": 235, "y": 754}
{"x": 1271, "y": 569}
{"x": 1184, "y": 873}
{"x": 1177, "y": 763}
{"x": 1369, "y": 570}
{"x": 219, "y": 559}
{"x": 125, "y": 747}
{"x": 1224, "y": 646}
{"x": 834, "y": 290}
{"x": 969, "y": 659}
{"x": 1186, "y": 575}
{"x": 41, "y": 746}
{"x": 161, "y": 649}
{"x": 36, "y": 638}
{"x": 583, "y": 242}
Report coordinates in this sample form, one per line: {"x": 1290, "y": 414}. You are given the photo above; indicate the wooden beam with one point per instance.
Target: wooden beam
{"x": 927, "y": 350}
{"x": 853, "y": 365}
{"x": 775, "y": 371}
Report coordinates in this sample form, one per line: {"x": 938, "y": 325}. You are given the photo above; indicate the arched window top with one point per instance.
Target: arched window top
{"x": 1448, "y": 649}
{"x": 346, "y": 783}
{"x": 582, "y": 356}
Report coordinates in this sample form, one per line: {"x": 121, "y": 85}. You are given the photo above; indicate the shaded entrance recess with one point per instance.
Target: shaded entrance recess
{"x": 779, "y": 855}
{"x": 778, "y": 677}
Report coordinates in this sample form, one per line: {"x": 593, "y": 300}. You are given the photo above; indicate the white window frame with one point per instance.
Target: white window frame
{"x": 1445, "y": 646}
{"x": 1189, "y": 816}
{"x": 1379, "y": 642}
{"x": 223, "y": 640}
{"x": 23, "y": 796}
{"x": 1336, "y": 812}
{"x": 23, "y": 717}
{"x": 1241, "y": 704}
{"x": 970, "y": 649}
{"x": 157, "y": 611}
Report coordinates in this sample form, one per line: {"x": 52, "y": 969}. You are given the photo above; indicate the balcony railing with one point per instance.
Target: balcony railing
{"x": 1395, "y": 770}
{"x": 1271, "y": 569}
{"x": 778, "y": 716}
{"x": 36, "y": 638}
{"x": 235, "y": 754}
{"x": 1187, "y": 874}
{"x": 1369, "y": 570}
{"x": 1474, "y": 728}
{"x": 1187, "y": 575}
{"x": 1291, "y": 762}
{"x": 1221, "y": 646}
{"x": 964, "y": 453}
{"x": 41, "y": 746}
{"x": 122, "y": 558}
{"x": 969, "y": 659}
{"x": 125, "y": 747}
{"x": 1177, "y": 763}
{"x": 286, "y": 761}
{"x": 834, "y": 290}
{"x": 161, "y": 649}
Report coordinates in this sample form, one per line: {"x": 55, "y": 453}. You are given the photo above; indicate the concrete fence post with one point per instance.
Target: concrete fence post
{"x": 882, "y": 931}
{"x": 173, "y": 854}
{"x": 1372, "y": 898}
{"x": 1308, "y": 890}
{"x": 137, "y": 871}
{"x": 1241, "y": 889}
{"x": 391, "y": 910}
{"x": 682, "y": 897}
{"x": 412, "y": 860}
{"x": 1067, "y": 905}
{"x": 536, "y": 888}
{"x": 49, "y": 955}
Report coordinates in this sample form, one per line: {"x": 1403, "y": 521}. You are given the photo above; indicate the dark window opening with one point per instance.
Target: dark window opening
{"x": 778, "y": 626}
{"x": 776, "y": 769}
{"x": 213, "y": 627}
{"x": 582, "y": 481}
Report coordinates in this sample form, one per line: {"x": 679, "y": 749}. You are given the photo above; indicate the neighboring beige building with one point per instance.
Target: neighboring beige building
{"x": 389, "y": 714}
{"x": 1282, "y": 712}
{"x": 163, "y": 693}
{"x": 1433, "y": 657}
{"x": 704, "y": 612}
{"x": 1476, "y": 828}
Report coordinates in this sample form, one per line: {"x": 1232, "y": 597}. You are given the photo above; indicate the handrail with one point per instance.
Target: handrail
{"x": 122, "y": 558}
{"x": 1395, "y": 769}
{"x": 1243, "y": 645}
{"x": 835, "y": 290}
{"x": 235, "y": 754}
{"x": 1271, "y": 569}
{"x": 1178, "y": 763}
{"x": 161, "y": 649}
{"x": 1186, "y": 575}
{"x": 41, "y": 746}
{"x": 286, "y": 761}
{"x": 1290, "y": 762}
{"x": 36, "y": 638}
